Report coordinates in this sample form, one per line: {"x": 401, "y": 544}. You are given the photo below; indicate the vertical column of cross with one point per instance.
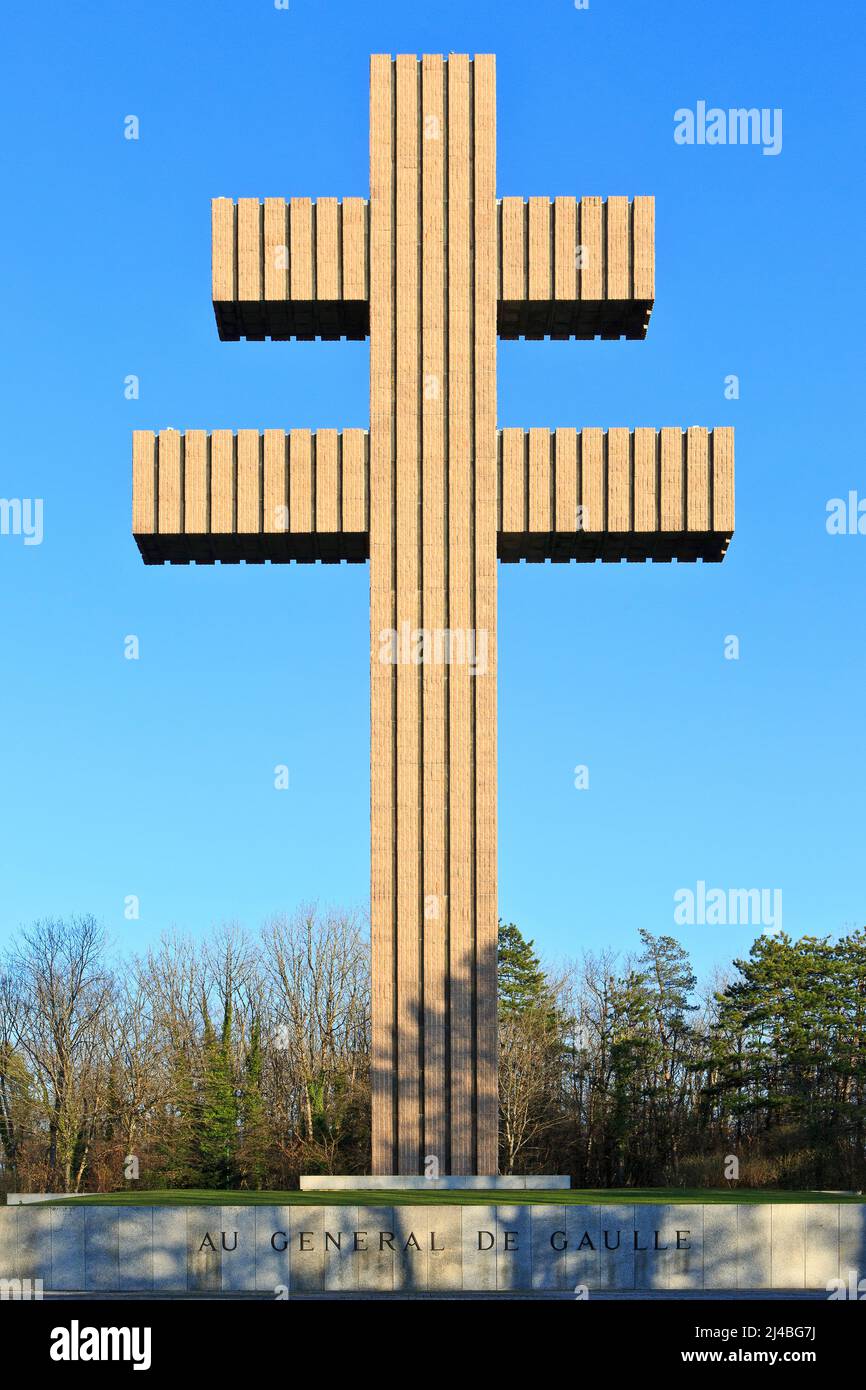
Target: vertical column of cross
{"x": 434, "y": 317}
{"x": 395, "y": 606}
{"x": 461, "y": 867}
{"x": 383, "y": 689}
{"x": 485, "y": 253}
{"x": 471, "y": 600}
{"x": 433, "y": 568}
{"x": 407, "y": 561}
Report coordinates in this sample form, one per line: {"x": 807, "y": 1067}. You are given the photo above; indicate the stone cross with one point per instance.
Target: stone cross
{"x": 432, "y": 268}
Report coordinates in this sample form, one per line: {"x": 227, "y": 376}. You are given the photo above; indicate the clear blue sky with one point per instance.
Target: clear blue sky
{"x": 155, "y": 777}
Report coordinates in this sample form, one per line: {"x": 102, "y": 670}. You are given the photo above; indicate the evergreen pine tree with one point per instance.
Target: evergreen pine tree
{"x": 522, "y": 983}
{"x": 218, "y": 1139}
{"x": 253, "y": 1116}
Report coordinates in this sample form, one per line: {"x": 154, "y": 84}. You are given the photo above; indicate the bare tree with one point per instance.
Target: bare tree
{"x": 65, "y": 997}
{"x": 318, "y": 969}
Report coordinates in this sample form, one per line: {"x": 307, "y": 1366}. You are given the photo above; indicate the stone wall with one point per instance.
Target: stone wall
{"x": 279, "y": 1249}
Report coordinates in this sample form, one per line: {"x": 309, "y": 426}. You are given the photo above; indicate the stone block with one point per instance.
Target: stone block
{"x": 852, "y": 1241}
{"x": 754, "y": 1246}
{"x": 339, "y": 1252}
{"x": 9, "y": 1242}
{"x": 307, "y": 1249}
{"x": 685, "y": 1258}
{"x": 412, "y": 1229}
{"x": 720, "y": 1246}
{"x": 549, "y": 1236}
{"x": 583, "y": 1257}
{"x": 34, "y": 1244}
{"x": 204, "y": 1227}
{"x": 822, "y": 1245}
{"x": 273, "y": 1250}
{"x": 444, "y": 1263}
{"x": 101, "y": 1247}
{"x": 337, "y": 1183}
{"x": 616, "y": 1251}
{"x": 509, "y": 1183}
{"x": 513, "y": 1247}
{"x": 135, "y": 1239}
{"x": 788, "y": 1245}
{"x": 651, "y": 1240}
{"x": 67, "y": 1247}
{"x": 478, "y": 1241}
{"x": 377, "y": 1243}
{"x": 238, "y": 1249}
{"x": 170, "y": 1249}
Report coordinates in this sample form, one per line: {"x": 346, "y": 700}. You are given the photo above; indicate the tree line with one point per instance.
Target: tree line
{"x": 241, "y": 1061}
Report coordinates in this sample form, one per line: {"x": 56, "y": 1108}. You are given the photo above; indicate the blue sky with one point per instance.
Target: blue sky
{"x": 155, "y": 777}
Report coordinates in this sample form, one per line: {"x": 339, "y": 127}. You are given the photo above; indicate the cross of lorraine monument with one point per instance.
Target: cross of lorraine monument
{"x": 432, "y": 267}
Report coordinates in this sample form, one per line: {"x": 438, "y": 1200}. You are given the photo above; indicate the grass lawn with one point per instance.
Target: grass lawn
{"x": 478, "y": 1197}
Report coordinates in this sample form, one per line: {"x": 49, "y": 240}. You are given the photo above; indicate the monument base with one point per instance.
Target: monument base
{"x": 416, "y": 1183}
{"x": 486, "y": 1246}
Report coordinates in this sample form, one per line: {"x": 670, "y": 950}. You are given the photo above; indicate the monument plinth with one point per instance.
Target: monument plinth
{"x": 391, "y": 1247}
{"x": 432, "y": 267}
{"x": 535, "y": 1182}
